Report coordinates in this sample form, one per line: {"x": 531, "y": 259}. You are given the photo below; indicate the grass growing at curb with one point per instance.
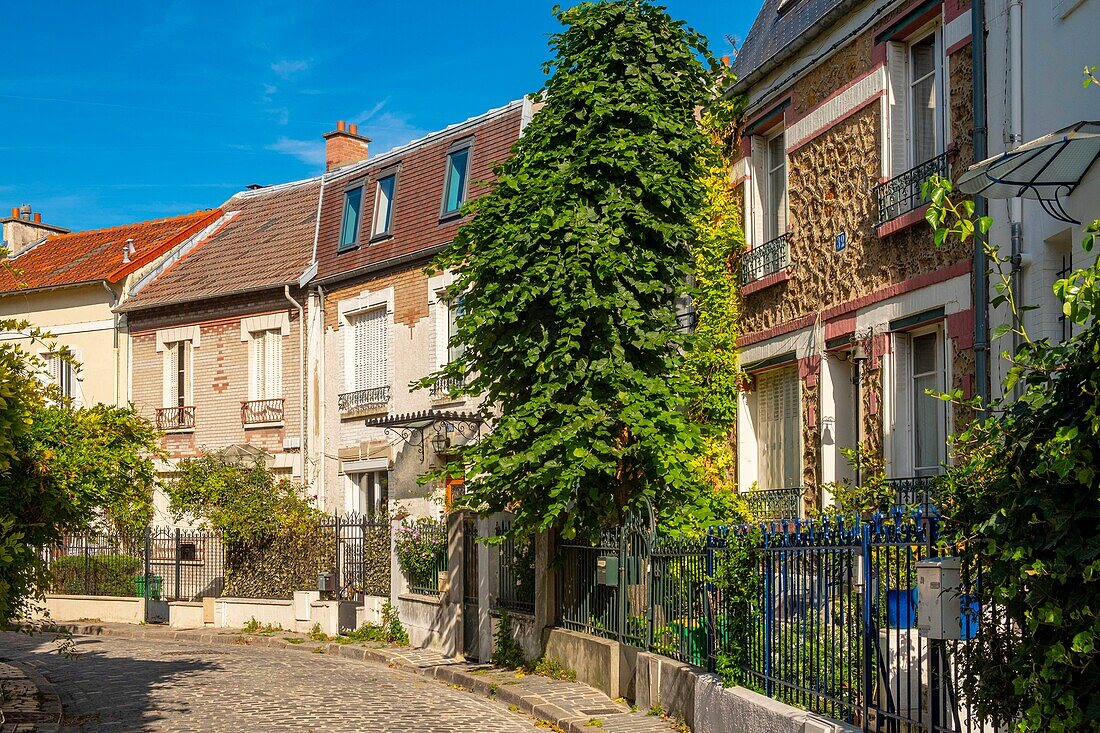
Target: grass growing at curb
{"x": 252, "y": 626}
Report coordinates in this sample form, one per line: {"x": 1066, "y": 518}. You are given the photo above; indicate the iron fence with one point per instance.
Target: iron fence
{"x": 515, "y": 573}
{"x": 902, "y": 193}
{"x": 820, "y": 614}
{"x": 180, "y": 564}
{"x": 428, "y": 584}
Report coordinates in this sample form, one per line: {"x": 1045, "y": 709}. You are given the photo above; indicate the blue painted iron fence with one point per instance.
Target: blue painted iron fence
{"x": 821, "y": 613}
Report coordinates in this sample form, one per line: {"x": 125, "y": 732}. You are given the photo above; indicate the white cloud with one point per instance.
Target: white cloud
{"x": 286, "y": 68}
{"x": 307, "y": 151}
{"x": 389, "y": 130}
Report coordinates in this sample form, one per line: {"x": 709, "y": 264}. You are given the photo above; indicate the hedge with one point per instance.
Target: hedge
{"x": 95, "y": 575}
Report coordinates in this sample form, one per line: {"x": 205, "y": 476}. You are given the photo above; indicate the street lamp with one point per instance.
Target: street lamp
{"x": 441, "y": 443}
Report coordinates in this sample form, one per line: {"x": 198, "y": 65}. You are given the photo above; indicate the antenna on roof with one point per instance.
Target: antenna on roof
{"x": 733, "y": 42}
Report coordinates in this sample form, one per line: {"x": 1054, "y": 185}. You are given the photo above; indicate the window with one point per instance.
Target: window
{"x": 177, "y": 373}
{"x": 61, "y": 373}
{"x": 454, "y": 187}
{"x": 769, "y": 187}
{"x": 778, "y": 439}
{"x": 454, "y": 312}
{"x": 922, "y": 97}
{"x": 265, "y": 365}
{"x": 370, "y": 336}
{"x": 349, "y": 228}
{"x": 776, "y": 208}
{"x": 929, "y": 413}
{"x": 383, "y": 205}
{"x": 370, "y": 493}
{"x": 916, "y": 110}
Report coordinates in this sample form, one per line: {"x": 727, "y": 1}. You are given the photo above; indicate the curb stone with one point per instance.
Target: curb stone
{"x": 437, "y": 667}
{"x": 47, "y": 717}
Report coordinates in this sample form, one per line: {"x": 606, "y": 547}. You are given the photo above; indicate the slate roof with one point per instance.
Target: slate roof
{"x": 96, "y": 254}
{"x": 266, "y": 241}
{"x": 775, "y": 34}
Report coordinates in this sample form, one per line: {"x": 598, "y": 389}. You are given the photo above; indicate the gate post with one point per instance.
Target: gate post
{"x": 177, "y": 563}
{"x": 336, "y": 544}
{"x": 708, "y": 611}
{"x": 148, "y": 573}
{"x": 620, "y": 590}
{"x": 869, "y": 593}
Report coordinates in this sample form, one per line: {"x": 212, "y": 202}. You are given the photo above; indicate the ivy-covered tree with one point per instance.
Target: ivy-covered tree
{"x": 568, "y": 274}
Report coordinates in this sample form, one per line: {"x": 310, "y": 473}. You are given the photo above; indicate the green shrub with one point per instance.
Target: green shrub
{"x": 507, "y": 652}
{"x": 95, "y": 575}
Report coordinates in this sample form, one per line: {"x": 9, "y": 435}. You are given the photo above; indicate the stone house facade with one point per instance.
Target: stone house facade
{"x": 219, "y": 335}
{"x": 850, "y": 311}
{"x": 378, "y": 324}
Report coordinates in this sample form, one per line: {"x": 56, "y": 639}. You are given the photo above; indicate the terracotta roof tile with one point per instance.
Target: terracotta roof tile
{"x": 267, "y": 241}
{"x": 96, "y": 254}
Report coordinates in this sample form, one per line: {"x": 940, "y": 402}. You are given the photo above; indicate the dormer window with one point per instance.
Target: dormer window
{"x": 349, "y": 228}
{"x": 454, "y": 185}
{"x": 383, "y": 205}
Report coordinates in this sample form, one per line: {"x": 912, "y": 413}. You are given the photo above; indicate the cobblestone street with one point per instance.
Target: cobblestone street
{"x": 130, "y": 685}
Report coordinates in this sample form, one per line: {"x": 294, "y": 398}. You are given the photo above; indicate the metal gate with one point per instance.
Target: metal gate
{"x": 470, "y": 607}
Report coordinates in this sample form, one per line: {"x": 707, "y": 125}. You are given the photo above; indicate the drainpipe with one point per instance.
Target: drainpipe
{"x": 114, "y": 329}
{"x": 303, "y": 442}
{"x": 981, "y": 206}
{"x": 322, "y": 397}
{"x": 1015, "y": 139}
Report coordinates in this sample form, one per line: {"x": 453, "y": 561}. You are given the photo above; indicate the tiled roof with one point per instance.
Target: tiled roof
{"x": 780, "y": 28}
{"x": 67, "y": 259}
{"x": 267, "y": 241}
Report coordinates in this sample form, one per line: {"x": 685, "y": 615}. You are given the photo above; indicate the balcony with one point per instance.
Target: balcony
{"x": 768, "y": 505}
{"x": 364, "y": 399}
{"x": 261, "y": 412}
{"x": 175, "y": 419}
{"x": 768, "y": 259}
{"x": 442, "y": 389}
{"x": 914, "y": 490}
{"x": 902, "y": 194}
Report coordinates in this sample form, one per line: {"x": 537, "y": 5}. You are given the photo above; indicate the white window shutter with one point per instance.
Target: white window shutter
{"x": 170, "y": 373}
{"x": 273, "y": 365}
{"x": 371, "y": 335}
{"x": 792, "y": 440}
{"x": 901, "y": 407}
{"x": 781, "y": 215}
{"x": 897, "y": 81}
{"x": 759, "y": 185}
{"x": 255, "y": 366}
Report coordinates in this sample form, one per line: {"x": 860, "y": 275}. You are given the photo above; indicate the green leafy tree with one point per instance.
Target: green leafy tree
{"x": 62, "y": 469}
{"x": 1023, "y": 497}
{"x": 568, "y": 274}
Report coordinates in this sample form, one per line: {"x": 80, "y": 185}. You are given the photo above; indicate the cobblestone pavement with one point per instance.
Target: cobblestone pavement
{"x": 142, "y": 685}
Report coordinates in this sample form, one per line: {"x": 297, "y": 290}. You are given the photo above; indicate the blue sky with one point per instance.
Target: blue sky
{"x": 112, "y": 112}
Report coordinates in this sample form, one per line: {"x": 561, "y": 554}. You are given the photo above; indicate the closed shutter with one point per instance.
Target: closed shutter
{"x": 897, "y": 81}
{"x": 273, "y": 365}
{"x": 779, "y": 441}
{"x": 371, "y": 350}
{"x": 759, "y": 180}
{"x": 176, "y": 373}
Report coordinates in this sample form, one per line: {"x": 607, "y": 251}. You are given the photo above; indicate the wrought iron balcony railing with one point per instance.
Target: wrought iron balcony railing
{"x": 914, "y": 490}
{"x": 254, "y": 412}
{"x": 175, "y": 418}
{"x": 445, "y": 385}
{"x": 767, "y": 259}
{"x": 364, "y": 399}
{"x": 902, "y": 193}
{"x": 773, "y": 504}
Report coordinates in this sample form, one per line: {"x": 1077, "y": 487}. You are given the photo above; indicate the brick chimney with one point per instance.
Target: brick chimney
{"x": 23, "y": 228}
{"x": 344, "y": 146}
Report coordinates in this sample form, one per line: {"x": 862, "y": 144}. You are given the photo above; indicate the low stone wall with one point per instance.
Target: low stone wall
{"x": 431, "y": 622}
{"x": 109, "y": 609}
{"x": 595, "y": 660}
{"x": 371, "y": 611}
{"x": 186, "y": 615}
{"x": 301, "y": 614}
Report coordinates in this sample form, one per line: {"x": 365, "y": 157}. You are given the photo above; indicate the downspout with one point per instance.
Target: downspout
{"x": 301, "y": 378}
{"x": 114, "y": 328}
{"x": 981, "y": 206}
{"x": 320, "y": 407}
{"x": 1015, "y": 139}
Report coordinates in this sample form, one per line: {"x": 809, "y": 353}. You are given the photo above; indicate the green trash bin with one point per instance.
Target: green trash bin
{"x": 154, "y": 586}
{"x": 693, "y": 640}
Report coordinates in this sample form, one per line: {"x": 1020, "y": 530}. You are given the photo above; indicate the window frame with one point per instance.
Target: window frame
{"x": 351, "y": 380}
{"x": 384, "y": 175}
{"x": 772, "y": 219}
{"x": 351, "y": 189}
{"x": 938, "y": 111}
{"x": 942, "y": 416}
{"x": 179, "y": 374}
{"x": 257, "y": 383}
{"x": 466, "y": 146}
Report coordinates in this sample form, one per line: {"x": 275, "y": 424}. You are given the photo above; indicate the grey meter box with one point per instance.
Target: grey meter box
{"x": 939, "y": 603}
{"x": 607, "y": 570}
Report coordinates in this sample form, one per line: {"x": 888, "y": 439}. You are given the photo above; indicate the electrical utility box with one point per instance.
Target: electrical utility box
{"x": 939, "y": 601}
{"x": 607, "y": 570}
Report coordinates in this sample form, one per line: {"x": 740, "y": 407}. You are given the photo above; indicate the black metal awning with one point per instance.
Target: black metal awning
{"x": 451, "y": 429}
{"x": 1046, "y": 169}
